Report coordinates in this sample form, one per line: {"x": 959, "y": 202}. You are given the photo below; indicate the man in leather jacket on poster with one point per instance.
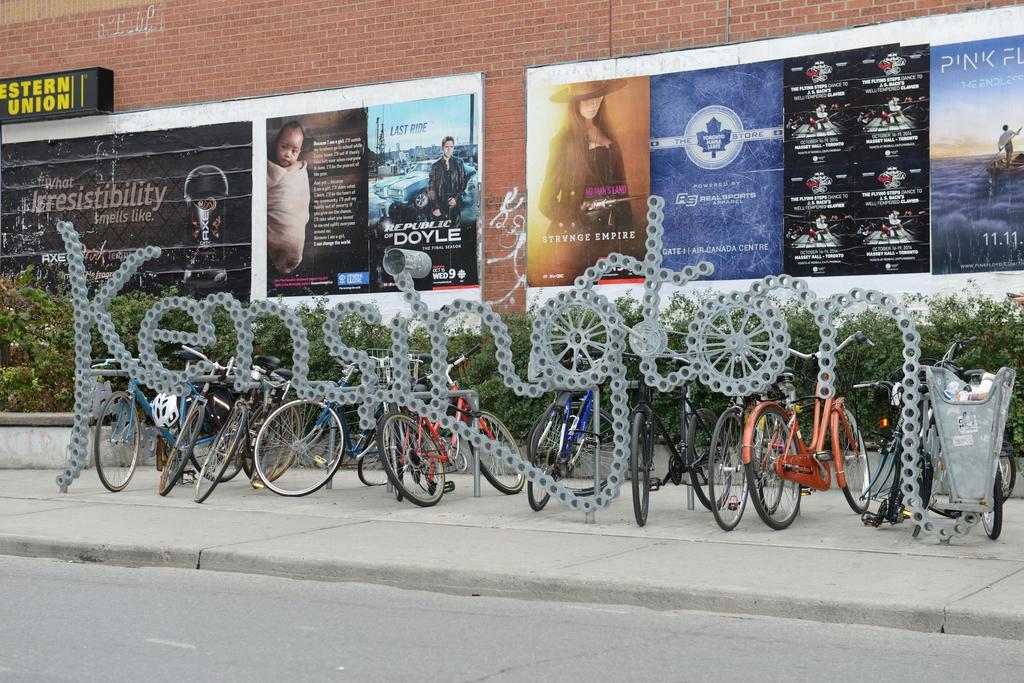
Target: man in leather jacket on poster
{"x": 447, "y": 183}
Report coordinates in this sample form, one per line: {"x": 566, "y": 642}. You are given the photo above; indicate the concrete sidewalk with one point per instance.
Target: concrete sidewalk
{"x": 826, "y": 567}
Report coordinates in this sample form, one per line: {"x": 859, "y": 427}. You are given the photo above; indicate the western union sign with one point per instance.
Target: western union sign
{"x": 56, "y": 95}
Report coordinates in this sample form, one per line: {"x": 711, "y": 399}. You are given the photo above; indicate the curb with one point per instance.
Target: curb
{"x": 933, "y": 618}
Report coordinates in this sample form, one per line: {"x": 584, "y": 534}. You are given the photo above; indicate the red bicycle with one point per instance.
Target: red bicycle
{"x": 417, "y": 453}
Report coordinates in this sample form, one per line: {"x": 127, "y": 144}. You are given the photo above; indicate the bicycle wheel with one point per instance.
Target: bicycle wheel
{"x": 1007, "y": 469}
{"x": 223, "y": 453}
{"x": 542, "y": 450}
{"x": 181, "y": 452}
{"x": 700, "y": 429}
{"x": 993, "y": 521}
{"x": 776, "y": 500}
{"x": 116, "y": 440}
{"x": 727, "y": 482}
{"x": 500, "y": 474}
{"x": 641, "y": 456}
{"x": 413, "y": 459}
{"x": 589, "y": 457}
{"x": 299, "y": 448}
{"x": 848, "y": 445}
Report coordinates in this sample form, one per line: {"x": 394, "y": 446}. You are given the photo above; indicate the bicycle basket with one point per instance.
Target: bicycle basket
{"x": 386, "y": 365}
{"x": 970, "y": 436}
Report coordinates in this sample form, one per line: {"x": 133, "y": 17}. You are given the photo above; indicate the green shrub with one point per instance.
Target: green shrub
{"x": 39, "y": 377}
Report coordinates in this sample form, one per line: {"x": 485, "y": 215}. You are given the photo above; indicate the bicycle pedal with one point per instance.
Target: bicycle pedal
{"x": 656, "y": 484}
{"x": 806, "y": 491}
{"x": 734, "y": 504}
{"x": 449, "y": 486}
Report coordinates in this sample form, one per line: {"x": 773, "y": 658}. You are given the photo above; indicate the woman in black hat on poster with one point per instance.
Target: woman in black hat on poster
{"x": 584, "y": 194}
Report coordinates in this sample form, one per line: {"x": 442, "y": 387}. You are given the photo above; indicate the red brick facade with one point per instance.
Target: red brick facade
{"x": 188, "y": 51}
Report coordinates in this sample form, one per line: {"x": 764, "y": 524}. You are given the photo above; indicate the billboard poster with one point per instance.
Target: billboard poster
{"x": 822, "y": 99}
{"x": 424, "y": 181}
{"x": 186, "y": 190}
{"x": 588, "y": 174}
{"x": 894, "y": 111}
{"x": 820, "y": 223}
{"x": 892, "y": 226}
{"x": 316, "y": 204}
{"x": 716, "y": 158}
{"x": 977, "y": 165}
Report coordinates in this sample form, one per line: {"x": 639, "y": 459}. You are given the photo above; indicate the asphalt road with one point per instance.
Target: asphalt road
{"x": 64, "y": 621}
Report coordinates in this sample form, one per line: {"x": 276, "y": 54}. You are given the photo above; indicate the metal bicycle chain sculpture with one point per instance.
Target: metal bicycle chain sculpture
{"x": 737, "y": 345}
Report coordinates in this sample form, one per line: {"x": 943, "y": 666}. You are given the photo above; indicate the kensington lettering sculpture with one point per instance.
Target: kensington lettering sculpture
{"x": 577, "y": 339}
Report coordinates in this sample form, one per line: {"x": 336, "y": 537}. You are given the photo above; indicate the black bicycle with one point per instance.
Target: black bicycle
{"x": 687, "y": 457}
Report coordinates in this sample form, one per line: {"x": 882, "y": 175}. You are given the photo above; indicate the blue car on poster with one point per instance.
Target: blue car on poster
{"x": 409, "y": 192}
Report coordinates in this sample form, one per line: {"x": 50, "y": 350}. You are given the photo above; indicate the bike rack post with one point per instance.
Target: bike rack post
{"x": 689, "y": 475}
{"x": 589, "y": 517}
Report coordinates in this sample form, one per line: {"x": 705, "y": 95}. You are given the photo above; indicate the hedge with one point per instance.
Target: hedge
{"x": 36, "y": 335}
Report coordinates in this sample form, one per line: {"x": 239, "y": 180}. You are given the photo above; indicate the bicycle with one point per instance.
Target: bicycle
{"x": 564, "y": 445}
{"x": 301, "y": 444}
{"x": 689, "y": 457}
{"x": 117, "y": 431}
{"x": 239, "y": 427}
{"x": 417, "y": 453}
{"x": 778, "y": 462}
{"x": 199, "y": 423}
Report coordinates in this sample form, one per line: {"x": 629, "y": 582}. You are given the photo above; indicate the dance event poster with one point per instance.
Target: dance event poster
{"x": 186, "y": 190}
{"x": 588, "y": 176}
{"x": 978, "y": 96}
{"x": 716, "y": 158}
{"x": 856, "y": 162}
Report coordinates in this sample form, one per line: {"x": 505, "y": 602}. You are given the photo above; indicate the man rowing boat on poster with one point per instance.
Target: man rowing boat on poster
{"x": 1006, "y": 142}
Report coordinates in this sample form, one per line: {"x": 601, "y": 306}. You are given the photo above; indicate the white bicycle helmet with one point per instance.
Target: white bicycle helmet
{"x": 165, "y": 410}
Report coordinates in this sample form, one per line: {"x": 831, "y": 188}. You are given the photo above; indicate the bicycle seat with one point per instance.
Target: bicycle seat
{"x": 419, "y": 388}
{"x": 283, "y": 372}
{"x": 270, "y": 362}
{"x": 184, "y": 355}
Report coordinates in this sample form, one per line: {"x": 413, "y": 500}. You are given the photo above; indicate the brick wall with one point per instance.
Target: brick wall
{"x": 184, "y": 51}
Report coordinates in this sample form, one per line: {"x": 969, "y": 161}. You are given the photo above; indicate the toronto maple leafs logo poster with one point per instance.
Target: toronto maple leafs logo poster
{"x": 820, "y": 223}
{"x": 977, "y": 156}
{"x": 716, "y": 158}
{"x": 822, "y": 100}
{"x": 893, "y": 222}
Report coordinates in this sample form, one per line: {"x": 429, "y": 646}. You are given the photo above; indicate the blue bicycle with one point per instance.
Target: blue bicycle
{"x": 303, "y": 442}
{"x": 564, "y": 443}
{"x": 120, "y": 421}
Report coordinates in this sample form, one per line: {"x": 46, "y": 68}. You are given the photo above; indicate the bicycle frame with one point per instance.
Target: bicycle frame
{"x": 800, "y": 460}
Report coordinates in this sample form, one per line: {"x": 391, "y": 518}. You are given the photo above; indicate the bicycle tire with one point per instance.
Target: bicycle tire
{"x": 371, "y": 471}
{"x": 117, "y": 441}
{"x": 727, "y": 480}
{"x": 641, "y": 445}
{"x": 299, "y": 448}
{"x": 180, "y": 453}
{"x": 700, "y": 430}
{"x": 412, "y": 458}
{"x": 1007, "y": 470}
{"x": 223, "y": 452}
{"x": 776, "y": 500}
{"x": 541, "y": 452}
{"x": 500, "y": 474}
{"x": 993, "y": 521}
{"x": 856, "y": 465}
